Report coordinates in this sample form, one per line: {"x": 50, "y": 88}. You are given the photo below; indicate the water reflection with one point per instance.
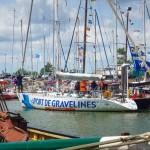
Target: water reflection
{"x": 83, "y": 124}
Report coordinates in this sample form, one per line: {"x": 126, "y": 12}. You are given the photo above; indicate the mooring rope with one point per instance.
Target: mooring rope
{"x": 137, "y": 139}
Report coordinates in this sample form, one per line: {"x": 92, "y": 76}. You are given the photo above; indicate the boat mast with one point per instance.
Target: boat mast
{"x": 85, "y": 25}
{"x": 57, "y": 41}
{"x": 95, "y": 42}
{"x": 22, "y": 48}
{"x": 13, "y": 47}
{"x": 27, "y": 34}
{"x": 129, "y": 37}
{"x": 116, "y": 41}
{"x": 144, "y": 30}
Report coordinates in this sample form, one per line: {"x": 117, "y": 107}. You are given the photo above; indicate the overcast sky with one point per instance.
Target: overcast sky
{"x": 13, "y": 11}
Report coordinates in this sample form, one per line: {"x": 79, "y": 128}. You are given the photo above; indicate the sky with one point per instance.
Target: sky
{"x": 42, "y": 21}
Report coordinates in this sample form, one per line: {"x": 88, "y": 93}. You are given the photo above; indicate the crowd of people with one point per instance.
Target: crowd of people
{"x": 81, "y": 87}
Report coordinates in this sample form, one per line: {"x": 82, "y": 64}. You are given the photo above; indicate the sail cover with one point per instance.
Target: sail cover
{"x": 78, "y": 76}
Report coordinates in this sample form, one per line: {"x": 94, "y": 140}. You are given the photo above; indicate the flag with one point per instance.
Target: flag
{"x": 80, "y": 53}
{"x": 94, "y": 46}
{"x": 148, "y": 52}
{"x": 90, "y": 21}
{"x": 37, "y": 56}
{"x": 140, "y": 44}
{"x": 136, "y": 30}
{"x": 142, "y": 53}
{"x": 81, "y": 48}
{"x": 88, "y": 28}
{"x": 93, "y": 0}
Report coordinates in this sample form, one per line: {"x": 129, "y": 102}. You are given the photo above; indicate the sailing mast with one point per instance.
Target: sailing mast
{"x": 85, "y": 25}
{"x": 95, "y": 42}
{"x": 57, "y": 45}
{"x": 144, "y": 30}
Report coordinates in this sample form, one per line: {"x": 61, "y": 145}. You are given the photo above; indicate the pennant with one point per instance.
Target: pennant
{"x": 94, "y": 46}
{"x": 80, "y": 53}
{"x": 136, "y": 30}
{"x": 81, "y": 48}
{"x": 88, "y": 28}
{"x": 81, "y": 60}
{"x": 37, "y": 56}
{"x": 77, "y": 59}
{"x": 140, "y": 44}
{"x": 122, "y": 12}
{"x": 90, "y": 21}
{"x": 142, "y": 53}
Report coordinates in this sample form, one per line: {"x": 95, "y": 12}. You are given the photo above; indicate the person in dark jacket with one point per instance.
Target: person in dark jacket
{"x": 93, "y": 86}
{"x": 19, "y": 83}
{"x": 77, "y": 87}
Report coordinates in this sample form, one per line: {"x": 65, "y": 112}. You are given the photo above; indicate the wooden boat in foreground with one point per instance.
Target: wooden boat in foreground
{"x": 115, "y": 142}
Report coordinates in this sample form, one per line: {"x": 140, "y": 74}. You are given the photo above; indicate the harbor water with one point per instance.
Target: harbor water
{"x": 84, "y": 124}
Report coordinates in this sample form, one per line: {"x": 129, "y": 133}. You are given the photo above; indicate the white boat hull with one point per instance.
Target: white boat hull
{"x": 49, "y": 102}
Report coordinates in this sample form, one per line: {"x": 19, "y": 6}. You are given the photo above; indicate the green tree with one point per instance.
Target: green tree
{"x": 47, "y": 68}
{"x": 121, "y": 51}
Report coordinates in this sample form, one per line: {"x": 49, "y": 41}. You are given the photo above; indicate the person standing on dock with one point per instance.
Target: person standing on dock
{"x": 15, "y": 83}
{"x": 19, "y": 83}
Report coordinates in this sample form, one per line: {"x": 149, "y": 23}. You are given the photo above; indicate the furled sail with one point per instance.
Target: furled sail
{"x": 78, "y": 76}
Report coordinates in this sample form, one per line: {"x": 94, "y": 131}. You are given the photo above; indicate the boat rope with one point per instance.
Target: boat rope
{"x": 103, "y": 42}
{"x": 121, "y": 141}
{"x": 63, "y": 52}
{"x": 148, "y": 12}
{"x": 72, "y": 36}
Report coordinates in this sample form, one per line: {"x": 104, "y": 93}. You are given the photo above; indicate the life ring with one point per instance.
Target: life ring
{"x": 107, "y": 94}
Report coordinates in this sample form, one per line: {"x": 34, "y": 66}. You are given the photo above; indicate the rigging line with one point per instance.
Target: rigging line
{"x": 72, "y": 36}
{"x": 100, "y": 53}
{"x": 63, "y": 52}
{"x": 103, "y": 42}
{"x": 104, "y": 26}
{"x": 148, "y": 12}
{"x": 27, "y": 34}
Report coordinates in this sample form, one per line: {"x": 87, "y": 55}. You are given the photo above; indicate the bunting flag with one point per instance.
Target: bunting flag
{"x": 140, "y": 44}
{"x": 88, "y": 28}
{"x": 81, "y": 60}
{"x": 37, "y": 56}
{"x": 90, "y": 21}
{"x": 142, "y": 53}
{"x": 131, "y": 22}
{"x": 77, "y": 59}
{"x": 80, "y": 53}
{"x": 94, "y": 46}
{"x": 136, "y": 30}
{"x": 121, "y": 11}
{"x": 81, "y": 48}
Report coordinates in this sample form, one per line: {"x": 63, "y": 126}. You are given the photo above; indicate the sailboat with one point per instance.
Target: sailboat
{"x": 58, "y": 100}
